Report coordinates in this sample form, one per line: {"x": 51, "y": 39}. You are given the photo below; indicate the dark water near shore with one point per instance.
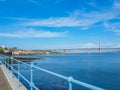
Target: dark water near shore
{"x": 102, "y": 70}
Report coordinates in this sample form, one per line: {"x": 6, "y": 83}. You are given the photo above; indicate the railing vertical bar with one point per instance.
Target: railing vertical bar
{"x": 31, "y": 76}
{"x": 5, "y": 62}
{"x": 8, "y": 63}
{"x": 18, "y": 63}
{"x": 12, "y": 67}
{"x": 70, "y": 83}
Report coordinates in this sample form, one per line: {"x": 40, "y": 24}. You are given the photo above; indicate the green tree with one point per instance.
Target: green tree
{"x": 1, "y": 50}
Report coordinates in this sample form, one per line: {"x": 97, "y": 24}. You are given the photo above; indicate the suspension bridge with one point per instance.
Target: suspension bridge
{"x": 86, "y": 50}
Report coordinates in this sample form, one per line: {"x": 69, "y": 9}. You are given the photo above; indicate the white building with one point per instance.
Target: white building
{"x": 2, "y": 46}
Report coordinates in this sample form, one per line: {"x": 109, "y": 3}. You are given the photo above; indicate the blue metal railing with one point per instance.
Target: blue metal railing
{"x": 9, "y": 61}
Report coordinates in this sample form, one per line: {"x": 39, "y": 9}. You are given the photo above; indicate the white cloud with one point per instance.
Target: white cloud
{"x": 116, "y": 4}
{"x": 89, "y": 45}
{"x": 117, "y": 45}
{"x": 85, "y": 28}
{"x": 114, "y": 13}
{"x": 54, "y": 22}
{"x": 116, "y": 31}
{"x": 113, "y": 27}
{"x": 78, "y": 45}
{"x": 76, "y": 18}
{"x": 58, "y": 1}
{"x": 13, "y": 18}
{"x": 28, "y": 33}
{"x": 112, "y": 45}
{"x": 96, "y": 45}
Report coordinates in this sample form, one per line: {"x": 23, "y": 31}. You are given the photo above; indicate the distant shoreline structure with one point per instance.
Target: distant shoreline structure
{"x": 19, "y": 52}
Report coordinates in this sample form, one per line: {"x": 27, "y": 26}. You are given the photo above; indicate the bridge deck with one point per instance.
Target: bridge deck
{"x": 4, "y": 85}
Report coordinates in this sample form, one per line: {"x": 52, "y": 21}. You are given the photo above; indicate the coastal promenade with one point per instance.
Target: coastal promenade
{"x": 7, "y": 82}
{"x": 4, "y": 85}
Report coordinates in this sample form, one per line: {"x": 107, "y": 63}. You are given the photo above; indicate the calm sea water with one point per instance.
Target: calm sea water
{"x": 102, "y": 70}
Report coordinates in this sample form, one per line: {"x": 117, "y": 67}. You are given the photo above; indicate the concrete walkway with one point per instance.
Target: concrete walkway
{"x": 4, "y": 85}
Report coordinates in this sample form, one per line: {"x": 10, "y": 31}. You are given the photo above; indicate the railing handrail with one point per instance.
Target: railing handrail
{"x": 69, "y": 79}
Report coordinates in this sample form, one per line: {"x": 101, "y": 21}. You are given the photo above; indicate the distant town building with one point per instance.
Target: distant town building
{"x": 2, "y": 46}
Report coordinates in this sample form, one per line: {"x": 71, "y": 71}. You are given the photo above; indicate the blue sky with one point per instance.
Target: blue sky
{"x": 56, "y": 24}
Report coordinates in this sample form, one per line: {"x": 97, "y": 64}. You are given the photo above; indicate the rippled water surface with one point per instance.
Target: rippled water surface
{"x": 102, "y": 70}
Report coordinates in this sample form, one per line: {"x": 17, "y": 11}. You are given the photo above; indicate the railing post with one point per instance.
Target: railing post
{"x": 5, "y": 62}
{"x": 70, "y": 83}
{"x": 8, "y": 63}
{"x": 11, "y": 58}
{"x": 31, "y": 76}
{"x": 18, "y": 73}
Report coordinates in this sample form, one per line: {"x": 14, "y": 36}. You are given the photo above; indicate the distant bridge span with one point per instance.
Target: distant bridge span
{"x": 99, "y": 50}
{"x": 87, "y": 49}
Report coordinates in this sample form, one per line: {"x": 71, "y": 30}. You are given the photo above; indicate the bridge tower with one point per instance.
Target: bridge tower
{"x": 99, "y": 47}
{"x": 64, "y": 51}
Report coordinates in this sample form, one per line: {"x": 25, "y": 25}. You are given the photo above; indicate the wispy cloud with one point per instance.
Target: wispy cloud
{"x": 113, "y": 27}
{"x": 32, "y": 33}
{"x": 96, "y": 45}
{"x": 79, "y": 45}
{"x": 58, "y": 1}
{"x": 14, "y": 18}
{"x": 77, "y": 18}
{"x": 116, "y": 4}
{"x": 54, "y": 22}
{"x": 116, "y": 31}
{"x": 89, "y": 45}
